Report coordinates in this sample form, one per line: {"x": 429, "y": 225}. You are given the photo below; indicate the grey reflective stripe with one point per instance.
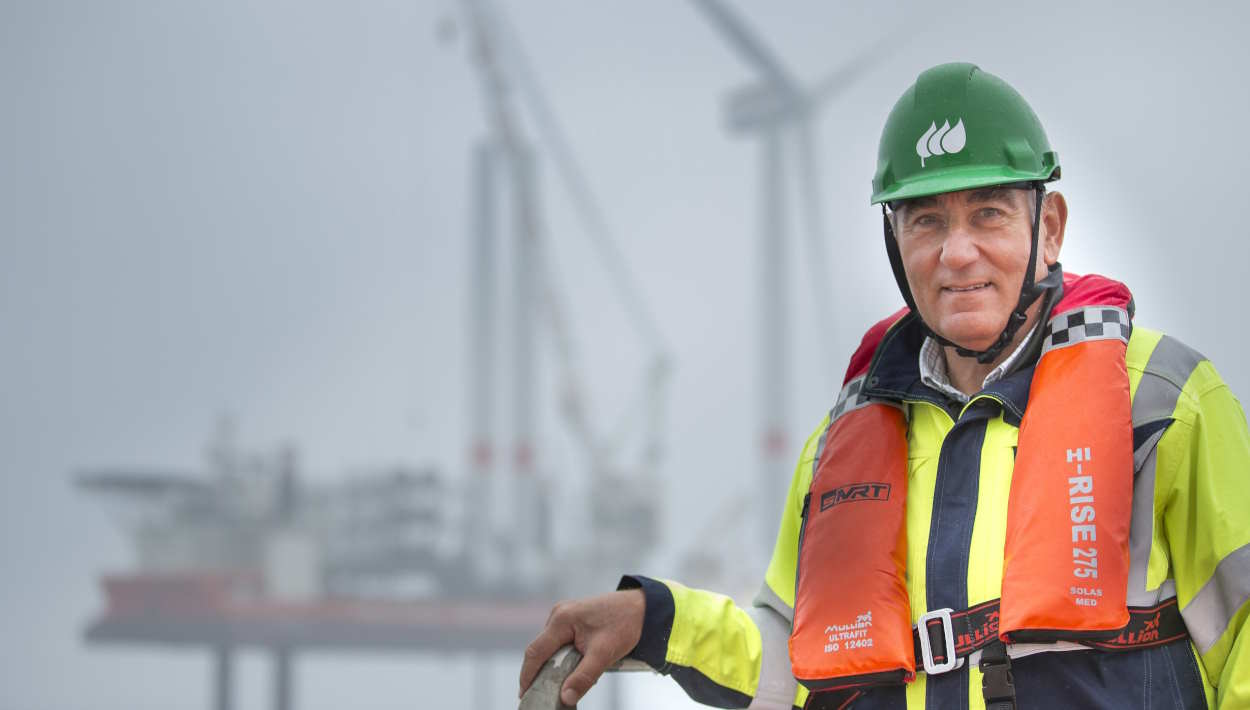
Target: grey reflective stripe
{"x": 1144, "y": 455}
{"x": 766, "y": 597}
{"x": 1168, "y": 589}
{"x": 1207, "y": 615}
{"x": 1169, "y": 367}
{"x": 1141, "y": 534}
{"x": 849, "y": 399}
{"x": 777, "y": 684}
{"x": 1163, "y": 378}
{"x": 820, "y": 446}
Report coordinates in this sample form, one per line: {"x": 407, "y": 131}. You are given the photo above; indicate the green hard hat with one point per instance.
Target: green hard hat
{"x": 959, "y": 128}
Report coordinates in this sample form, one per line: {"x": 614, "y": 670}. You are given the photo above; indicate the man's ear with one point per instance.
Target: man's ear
{"x": 1054, "y": 221}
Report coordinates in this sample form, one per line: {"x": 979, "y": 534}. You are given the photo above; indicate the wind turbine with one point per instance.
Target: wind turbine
{"x": 779, "y": 111}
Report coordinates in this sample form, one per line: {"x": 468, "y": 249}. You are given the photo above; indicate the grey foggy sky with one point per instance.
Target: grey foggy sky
{"x": 260, "y": 208}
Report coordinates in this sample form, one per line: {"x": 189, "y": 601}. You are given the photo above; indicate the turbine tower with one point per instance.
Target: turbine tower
{"x": 779, "y": 111}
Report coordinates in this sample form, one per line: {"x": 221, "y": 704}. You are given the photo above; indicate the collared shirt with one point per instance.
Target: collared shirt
{"x": 934, "y": 374}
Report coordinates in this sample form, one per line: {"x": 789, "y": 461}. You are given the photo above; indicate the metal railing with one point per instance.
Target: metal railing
{"x": 544, "y": 692}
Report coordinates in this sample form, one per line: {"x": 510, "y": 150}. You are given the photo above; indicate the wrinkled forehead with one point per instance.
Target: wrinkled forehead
{"x": 1010, "y": 195}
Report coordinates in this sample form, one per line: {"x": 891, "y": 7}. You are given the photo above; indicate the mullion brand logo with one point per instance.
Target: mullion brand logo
{"x": 941, "y": 141}
{"x": 854, "y": 492}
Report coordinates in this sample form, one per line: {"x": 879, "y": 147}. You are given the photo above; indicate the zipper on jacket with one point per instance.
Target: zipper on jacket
{"x": 798, "y": 556}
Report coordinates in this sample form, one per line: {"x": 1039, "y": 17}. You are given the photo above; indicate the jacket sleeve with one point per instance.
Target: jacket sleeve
{"x": 719, "y": 653}
{"x": 1203, "y": 504}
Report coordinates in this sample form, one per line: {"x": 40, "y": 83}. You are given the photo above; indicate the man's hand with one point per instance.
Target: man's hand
{"x": 602, "y": 628}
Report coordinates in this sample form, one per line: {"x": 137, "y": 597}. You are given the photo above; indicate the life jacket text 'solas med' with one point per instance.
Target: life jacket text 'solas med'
{"x": 1066, "y": 556}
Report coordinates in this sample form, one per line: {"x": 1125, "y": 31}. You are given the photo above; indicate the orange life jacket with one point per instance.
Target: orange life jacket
{"x": 1068, "y": 515}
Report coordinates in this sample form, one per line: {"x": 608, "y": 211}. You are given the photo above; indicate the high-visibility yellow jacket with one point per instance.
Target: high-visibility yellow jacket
{"x": 1190, "y": 539}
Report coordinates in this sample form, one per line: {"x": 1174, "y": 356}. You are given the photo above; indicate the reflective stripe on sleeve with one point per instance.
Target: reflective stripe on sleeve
{"x": 1141, "y": 534}
{"x": 1208, "y": 614}
{"x": 766, "y": 597}
{"x": 1170, "y": 365}
{"x": 775, "y": 690}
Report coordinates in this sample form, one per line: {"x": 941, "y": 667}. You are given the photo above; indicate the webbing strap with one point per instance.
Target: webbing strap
{"x": 1147, "y": 627}
{"x": 973, "y": 628}
{"x": 977, "y": 627}
{"x": 832, "y": 699}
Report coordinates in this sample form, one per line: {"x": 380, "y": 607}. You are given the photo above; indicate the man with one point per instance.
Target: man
{"x": 1020, "y": 499}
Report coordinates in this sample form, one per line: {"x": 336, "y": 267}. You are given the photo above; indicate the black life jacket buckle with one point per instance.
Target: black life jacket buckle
{"x": 997, "y": 685}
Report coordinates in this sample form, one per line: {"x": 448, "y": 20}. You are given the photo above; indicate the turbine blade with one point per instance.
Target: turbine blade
{"x": 747, "y": 43}
{"x": 847, "y": 74}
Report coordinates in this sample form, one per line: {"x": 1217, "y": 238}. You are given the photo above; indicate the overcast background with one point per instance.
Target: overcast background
{"x": 260, "y": 208}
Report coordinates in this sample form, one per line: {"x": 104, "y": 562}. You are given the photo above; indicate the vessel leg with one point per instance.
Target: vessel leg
{"x": 223, "y": 678}
{"x": 282, "y": 678}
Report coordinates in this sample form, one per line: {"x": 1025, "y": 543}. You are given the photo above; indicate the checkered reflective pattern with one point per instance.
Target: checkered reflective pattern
{"x": 1088, "y": 323}
{"x": 849, "y": 399}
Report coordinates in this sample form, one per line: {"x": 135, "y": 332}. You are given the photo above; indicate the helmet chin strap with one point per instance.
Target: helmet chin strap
{"x": 1030, "y": 290}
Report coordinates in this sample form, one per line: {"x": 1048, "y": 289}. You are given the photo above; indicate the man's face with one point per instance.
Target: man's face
{"x": 965, "y": 254}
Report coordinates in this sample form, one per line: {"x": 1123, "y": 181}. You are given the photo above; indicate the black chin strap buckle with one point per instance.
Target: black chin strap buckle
{"x": 997, "y": 685}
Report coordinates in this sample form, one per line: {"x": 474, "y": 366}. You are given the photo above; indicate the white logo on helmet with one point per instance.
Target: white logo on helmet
{"x": 941, "y": 141}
